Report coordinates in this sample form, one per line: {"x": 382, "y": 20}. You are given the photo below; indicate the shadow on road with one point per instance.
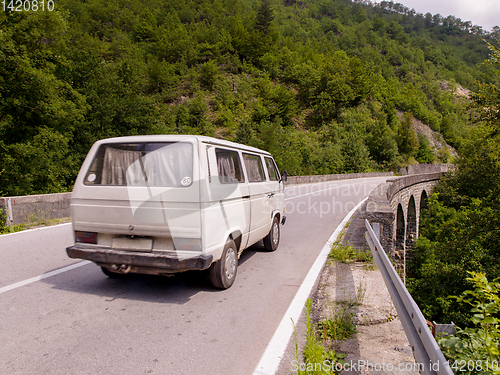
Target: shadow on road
{"x": 176, "y": 289}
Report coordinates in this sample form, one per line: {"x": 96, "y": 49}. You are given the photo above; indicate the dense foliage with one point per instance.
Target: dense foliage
{"x": 322, "y": 85}
{"x": 476, "y": 350}
{"x": 461, "y": 231}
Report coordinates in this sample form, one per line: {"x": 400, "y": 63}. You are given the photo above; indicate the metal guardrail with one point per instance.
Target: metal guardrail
{"x": 425, "y": 349}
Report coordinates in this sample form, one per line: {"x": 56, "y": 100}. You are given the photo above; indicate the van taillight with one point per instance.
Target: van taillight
{"x": 86, "y": 237}
{"x": 193, "y": 244}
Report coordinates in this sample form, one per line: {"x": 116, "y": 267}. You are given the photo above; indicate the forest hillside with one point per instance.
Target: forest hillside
{"x": 327, "y": 86}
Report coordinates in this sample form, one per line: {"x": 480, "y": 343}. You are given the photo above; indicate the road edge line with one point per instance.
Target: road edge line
{"x": 271, "y": 359}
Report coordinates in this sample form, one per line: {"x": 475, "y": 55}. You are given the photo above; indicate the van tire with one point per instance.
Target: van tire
{"x": 272, "y": 240}
{"x": 223, "y": 272}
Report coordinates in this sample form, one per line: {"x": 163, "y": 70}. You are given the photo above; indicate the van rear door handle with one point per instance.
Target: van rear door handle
{"x": 270, "y": 195}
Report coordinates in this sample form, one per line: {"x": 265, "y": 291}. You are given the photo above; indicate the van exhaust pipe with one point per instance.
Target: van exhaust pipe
{"x": 123, "y": 268}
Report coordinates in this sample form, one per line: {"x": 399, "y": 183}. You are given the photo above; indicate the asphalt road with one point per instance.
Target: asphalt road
{"x": 79, "y": 321}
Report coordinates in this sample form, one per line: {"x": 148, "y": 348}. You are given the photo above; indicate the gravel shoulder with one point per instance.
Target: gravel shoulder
{"x": 380, "y": 345}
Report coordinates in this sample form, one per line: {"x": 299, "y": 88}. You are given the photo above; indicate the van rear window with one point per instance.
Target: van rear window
{"x": 167, "y": 164}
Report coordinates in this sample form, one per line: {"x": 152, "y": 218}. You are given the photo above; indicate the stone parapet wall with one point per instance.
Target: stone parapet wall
{"x": 398, "y": 184}
{"x": 31, "y": 209}
{"x": 295, "y": 180}
{"x": 424, "y": 168}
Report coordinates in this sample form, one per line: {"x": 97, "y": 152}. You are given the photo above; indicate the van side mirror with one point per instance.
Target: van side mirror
{"x": 284, "y": 176}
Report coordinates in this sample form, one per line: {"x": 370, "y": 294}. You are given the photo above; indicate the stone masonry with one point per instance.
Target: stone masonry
{"x": 396, "y": 207}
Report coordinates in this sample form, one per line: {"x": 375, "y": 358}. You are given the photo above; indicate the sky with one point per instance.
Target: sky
{"x": 485, "y": 13}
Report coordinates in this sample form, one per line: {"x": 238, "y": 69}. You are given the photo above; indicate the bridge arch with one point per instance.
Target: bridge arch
{"x": 423, "y": 201}
{"x": 411, "y": 223}
{"x": 396, "y": 206}
{"x": 399, "y": 248}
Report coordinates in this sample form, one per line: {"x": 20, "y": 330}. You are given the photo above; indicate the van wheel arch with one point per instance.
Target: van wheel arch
{"x": 236, "y": 236}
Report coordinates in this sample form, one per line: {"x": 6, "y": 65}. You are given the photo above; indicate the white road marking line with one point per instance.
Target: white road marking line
{"x": 43, "y": 276}
{"x": 270, "y": 360}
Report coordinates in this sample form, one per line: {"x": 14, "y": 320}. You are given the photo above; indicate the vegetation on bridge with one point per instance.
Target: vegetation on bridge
{"x": 321, "y": 84}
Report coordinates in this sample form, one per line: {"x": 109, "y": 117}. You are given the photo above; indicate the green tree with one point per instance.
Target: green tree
{"x": 424, "y": 153}
{"x": 344, "y": 82}
{"x": 37, "y": 104}
{"x": 488, "y": 96}
{"x": 408, "y": 142}
{"x": 355, "y": 155}
{"x": 265, "y": 15}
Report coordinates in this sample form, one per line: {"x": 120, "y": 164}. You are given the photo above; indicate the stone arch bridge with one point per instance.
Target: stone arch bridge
{"x": 393, "y": 209}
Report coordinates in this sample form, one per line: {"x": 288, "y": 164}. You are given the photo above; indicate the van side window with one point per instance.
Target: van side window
{"x": 271, "y": 169}
{"x": 229, "y": 166}
{"x": 254, "y": 168}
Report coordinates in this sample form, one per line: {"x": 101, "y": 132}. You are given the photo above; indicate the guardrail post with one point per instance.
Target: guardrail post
{"x": 376, "y": 230}
{"x": 10, "y": 217}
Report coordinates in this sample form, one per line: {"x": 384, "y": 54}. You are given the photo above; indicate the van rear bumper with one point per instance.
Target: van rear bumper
{"x": 147, "y": 262}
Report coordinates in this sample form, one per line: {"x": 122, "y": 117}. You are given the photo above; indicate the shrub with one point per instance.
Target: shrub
{"x": 476, "y": 350}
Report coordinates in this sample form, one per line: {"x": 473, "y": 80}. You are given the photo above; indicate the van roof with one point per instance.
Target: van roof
{"x": 180, "y": 137}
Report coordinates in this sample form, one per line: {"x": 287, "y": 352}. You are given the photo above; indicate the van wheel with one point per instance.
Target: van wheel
{"x": 272, "y": 240}
{"x": 223, "y": 272}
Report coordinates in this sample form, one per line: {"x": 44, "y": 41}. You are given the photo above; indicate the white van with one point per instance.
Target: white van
{"x": 171, "y": 203}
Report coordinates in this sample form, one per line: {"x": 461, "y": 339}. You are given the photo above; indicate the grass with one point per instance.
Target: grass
{"x": 347, "y": 254}
{"x": 322, "y": 340}
{"x": 360, "y": 293}
{"x": 342, "y": 252}
{"x": 316, "y": 359}
{"x": 339, "y": 326}
{"x": 32, "y": 224}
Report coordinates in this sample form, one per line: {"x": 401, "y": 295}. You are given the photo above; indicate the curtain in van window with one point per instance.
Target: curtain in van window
{"x": 254, "y": 168}
{"x": 171, "y": 165}
{"x": 228, "y": 166}
{"x": 117, "y": 164}
{"x": 225, "y": 166}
